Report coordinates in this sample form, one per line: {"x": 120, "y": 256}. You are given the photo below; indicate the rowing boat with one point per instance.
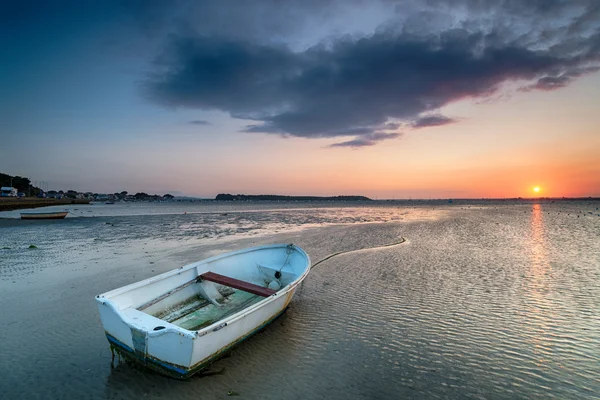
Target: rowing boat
{"x": 44, "y": 215}
{"x": 179, "y": 322}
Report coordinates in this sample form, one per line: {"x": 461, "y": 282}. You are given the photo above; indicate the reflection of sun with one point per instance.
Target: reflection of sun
{"x": 536, "y": 189}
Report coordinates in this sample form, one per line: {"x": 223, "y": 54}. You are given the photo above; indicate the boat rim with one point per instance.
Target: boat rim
{"x": 101, "y": 298}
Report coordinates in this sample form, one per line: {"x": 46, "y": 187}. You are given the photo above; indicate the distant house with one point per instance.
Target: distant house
{"x": 8, "y": 191}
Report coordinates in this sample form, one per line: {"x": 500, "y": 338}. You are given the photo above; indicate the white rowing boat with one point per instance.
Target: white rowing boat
{"x": 44, "y": 215}
{"x": 178, "y": 322}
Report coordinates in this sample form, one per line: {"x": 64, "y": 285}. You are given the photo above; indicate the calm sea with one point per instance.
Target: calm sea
{"x": 485, "y": 300}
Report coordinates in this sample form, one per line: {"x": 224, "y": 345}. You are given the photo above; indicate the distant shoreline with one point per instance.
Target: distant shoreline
{"x": 274, "y": 197}
{"x": 19, "y": 203}
{"x": 277, "y": 197}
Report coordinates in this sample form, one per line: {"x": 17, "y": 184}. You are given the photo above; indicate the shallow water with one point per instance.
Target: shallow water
{"x": 100, "y": 232}
{"x": 483, "y": 301}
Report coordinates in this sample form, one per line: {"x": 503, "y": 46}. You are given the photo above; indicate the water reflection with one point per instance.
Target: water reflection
{"x": 538, "y": 250}
{"x": 539, "y": 292}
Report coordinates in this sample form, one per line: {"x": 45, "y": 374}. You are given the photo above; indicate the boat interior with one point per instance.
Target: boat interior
{"x": 203, "y": 302}
{"x": 202, "y": 294}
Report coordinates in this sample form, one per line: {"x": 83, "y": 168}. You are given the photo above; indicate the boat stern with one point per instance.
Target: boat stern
{"x": 147, "y": 340}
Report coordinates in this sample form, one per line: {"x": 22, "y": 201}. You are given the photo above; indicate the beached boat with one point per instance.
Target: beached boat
{"x": 44, "y": 215}
{"x": 178, "y": 322}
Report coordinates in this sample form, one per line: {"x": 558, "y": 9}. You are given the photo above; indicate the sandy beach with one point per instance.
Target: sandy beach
{"x": 497, "y": 301}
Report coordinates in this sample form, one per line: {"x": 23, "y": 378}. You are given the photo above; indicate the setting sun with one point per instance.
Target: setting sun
{"x": 536, "y": 189}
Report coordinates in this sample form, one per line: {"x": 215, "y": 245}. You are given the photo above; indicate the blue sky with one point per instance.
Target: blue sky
{"x": 385, "y": 98}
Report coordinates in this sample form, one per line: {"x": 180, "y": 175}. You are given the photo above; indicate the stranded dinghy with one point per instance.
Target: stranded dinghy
{"x": 44, "y": 215}
{"x": 178, "y": 322}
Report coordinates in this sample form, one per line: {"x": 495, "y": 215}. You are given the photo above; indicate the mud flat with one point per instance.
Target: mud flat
{"x": 495, "y": 301}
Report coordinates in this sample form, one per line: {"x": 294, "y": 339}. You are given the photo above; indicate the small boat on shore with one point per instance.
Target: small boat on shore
{"x": 179, "y": 322}
{"x": 44, "y": 215}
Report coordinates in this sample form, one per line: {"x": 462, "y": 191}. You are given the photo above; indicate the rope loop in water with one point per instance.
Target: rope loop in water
{"x": 400, "y": 241}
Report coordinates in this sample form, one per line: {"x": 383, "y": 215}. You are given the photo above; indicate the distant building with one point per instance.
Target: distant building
{"x": 8, "y": 191}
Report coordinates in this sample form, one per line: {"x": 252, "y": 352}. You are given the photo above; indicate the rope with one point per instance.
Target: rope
{"x": 400, "y": 241}
{"x": 289, "y": 251}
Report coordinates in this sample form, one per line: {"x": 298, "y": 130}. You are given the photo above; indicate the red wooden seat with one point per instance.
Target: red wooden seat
{"x": 237, "y": 284}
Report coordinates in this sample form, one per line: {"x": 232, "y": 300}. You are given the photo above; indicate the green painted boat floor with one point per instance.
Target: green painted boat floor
{"x": 211, "y": 313}
{"x": 197, "y": 312}
{"x": 182, "y": 309}
{"x": 188, "y": 306}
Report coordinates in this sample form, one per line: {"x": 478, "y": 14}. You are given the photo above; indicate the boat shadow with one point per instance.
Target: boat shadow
{"x": 128, "y": 379}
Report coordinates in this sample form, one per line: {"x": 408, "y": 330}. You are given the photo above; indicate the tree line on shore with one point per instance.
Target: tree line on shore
{"x": 274, "y": 197}
{"x": 23, "y": 185}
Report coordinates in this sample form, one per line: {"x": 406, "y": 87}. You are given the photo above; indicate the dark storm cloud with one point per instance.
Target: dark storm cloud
{"x": 370, "y": 139}
{"x": 350, "y": 84}
{"x": 276, "y": 63}
{"x": 549, "y": 83}
{"x": 432, "y": 120}
{"x": 560, "y": 81}
{"x": 231, "y": 75}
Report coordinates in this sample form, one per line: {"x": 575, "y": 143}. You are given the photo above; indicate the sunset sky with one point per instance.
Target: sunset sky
{"x": 388, "y": 99}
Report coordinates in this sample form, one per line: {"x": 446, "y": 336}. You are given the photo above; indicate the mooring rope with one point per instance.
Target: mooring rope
{"x": 400, "y": 241}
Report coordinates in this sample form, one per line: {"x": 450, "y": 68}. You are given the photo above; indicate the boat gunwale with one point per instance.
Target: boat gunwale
{"x": 101, "y": 298}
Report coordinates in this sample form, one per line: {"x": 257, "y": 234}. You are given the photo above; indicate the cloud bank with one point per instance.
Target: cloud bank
{"x": 339, "y": 69}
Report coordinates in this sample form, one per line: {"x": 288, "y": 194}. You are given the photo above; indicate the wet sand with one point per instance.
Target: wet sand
{"x": 485, "y": 303}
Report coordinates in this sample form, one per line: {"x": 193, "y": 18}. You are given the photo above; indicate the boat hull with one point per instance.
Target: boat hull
{"x": 180, "y": 371}
{"x": 48, "y": 215}
{"x": 177, "y": 352}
